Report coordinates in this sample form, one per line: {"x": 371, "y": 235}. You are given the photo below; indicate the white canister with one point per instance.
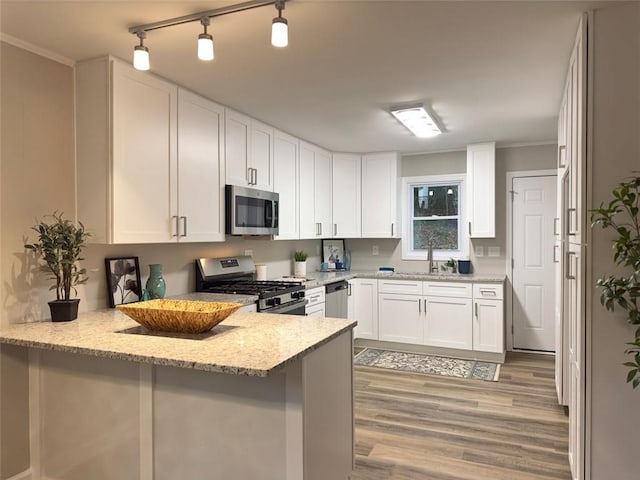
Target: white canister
{"x": 261, "y": 271}
{"x": 300, "y": 269}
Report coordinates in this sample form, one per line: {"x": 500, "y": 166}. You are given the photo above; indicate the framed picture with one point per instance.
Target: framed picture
{"x": 333, "y": 252}
{"x": 123, "y": 280}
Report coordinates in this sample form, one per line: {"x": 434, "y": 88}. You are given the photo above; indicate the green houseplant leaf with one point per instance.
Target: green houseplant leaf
{"x": 621, "y": 215}
{"x": 59, "y": 245}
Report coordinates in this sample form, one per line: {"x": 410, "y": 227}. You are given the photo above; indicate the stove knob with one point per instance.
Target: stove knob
{"x": 271, "y": 302}
{"x": 277, "y": 301}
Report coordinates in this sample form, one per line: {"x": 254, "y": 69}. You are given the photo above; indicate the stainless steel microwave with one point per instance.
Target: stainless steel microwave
{"x": 250, "y": 211}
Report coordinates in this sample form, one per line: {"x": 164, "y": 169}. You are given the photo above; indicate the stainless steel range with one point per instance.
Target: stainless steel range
{"x": 236, "y": 275}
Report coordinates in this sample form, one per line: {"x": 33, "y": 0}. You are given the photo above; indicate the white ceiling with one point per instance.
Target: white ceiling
{"x": 489, "y": 70}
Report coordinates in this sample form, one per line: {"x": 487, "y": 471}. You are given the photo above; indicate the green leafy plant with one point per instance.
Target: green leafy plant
{"x": 60, "y": 245}
{"x": 449, "y": 265}
{"x": 621, "y": 215}
{"x": 300, "y": 256}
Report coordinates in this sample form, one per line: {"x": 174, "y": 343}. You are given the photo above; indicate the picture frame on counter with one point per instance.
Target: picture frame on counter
{"x": 333, "y": 253}
{"x": 123, "y": 280}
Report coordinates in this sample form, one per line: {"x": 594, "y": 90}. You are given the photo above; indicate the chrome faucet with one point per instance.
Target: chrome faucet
{"x": 430, "y": 256}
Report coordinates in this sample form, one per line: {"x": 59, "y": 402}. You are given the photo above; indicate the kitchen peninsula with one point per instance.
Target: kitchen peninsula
{"x": 260, "y": 396}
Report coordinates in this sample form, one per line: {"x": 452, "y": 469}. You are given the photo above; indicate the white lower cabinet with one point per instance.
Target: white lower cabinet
{"x": 447, "y": 322}
{"x": 488, "y": 331}
{"x": 441, "y": 314}
{"x": 400, "y": 318}
{"x": 315, "y": 302}
{"x": 363, "y": 307}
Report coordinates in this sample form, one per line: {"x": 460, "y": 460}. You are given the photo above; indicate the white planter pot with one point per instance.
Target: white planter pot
{"x": 300, "y": 269}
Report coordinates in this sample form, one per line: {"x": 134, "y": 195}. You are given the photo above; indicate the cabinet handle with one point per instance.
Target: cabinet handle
{"x": 476, "y": 309}
{"x": 335, "y": 229}
{"x": 425, "y": 306}
{"x": 569, "y": 222}
{"x": 561, "y": 150}
{"x": 320, "y": 228}
{"x": 555, "y": 257}
{"x": 348, "y": 289}
{"x": 569, "y": 276}
{"x": 488, "y": 292}
{"x": 255, "y": 176}
{"x": 177, "y": 220}
{"x": 419, "y": 306}
{"x": 556, "y": 221}
{"x": 184, "y": 226}
{"x": 249, "y": 175}
{"x": 392, "y": 229}
{"x": 469, "y": 228}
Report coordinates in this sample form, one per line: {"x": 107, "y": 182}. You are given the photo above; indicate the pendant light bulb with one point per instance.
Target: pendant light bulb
{"x": 141, "y": 53}
{"x": 280, "y": 28}
{"x": 205, "y": 42}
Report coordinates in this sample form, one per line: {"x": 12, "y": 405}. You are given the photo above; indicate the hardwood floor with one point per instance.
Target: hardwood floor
{"x": 424, "y": 427}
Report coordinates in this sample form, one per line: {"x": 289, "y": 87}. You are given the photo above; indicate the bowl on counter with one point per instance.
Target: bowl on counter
{"x": 179, "y": 316}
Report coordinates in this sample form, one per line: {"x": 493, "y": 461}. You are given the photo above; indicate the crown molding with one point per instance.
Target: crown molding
{"x": 43, "y": 52}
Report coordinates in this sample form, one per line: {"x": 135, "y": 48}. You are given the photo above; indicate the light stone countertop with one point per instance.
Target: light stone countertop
{"x": 217, "y": 297}
{"x": 243, "y": 344}
{"x": 317, "y": 279}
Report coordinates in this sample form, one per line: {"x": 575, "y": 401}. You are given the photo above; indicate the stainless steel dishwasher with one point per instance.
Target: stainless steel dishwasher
{"x": 336, "y": 299}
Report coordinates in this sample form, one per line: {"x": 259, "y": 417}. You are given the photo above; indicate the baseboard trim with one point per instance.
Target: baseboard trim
{"x": 26, "y": 475}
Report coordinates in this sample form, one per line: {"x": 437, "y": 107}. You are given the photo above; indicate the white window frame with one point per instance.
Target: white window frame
{"x": 408, "y": 253}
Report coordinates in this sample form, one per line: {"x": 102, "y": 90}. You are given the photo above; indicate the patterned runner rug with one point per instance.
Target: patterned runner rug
{"x": 420, "y": 363}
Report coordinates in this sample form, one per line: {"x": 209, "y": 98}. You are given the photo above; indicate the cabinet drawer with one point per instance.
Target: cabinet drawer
{"x": 492, "y": 291}
{"x": 405, "y": 287}
{"x": 448, "y": 289}
{"x": 314, "y": 296}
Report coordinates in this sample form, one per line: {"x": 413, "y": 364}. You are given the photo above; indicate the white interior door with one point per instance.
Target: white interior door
{"x": 533, "y": 272}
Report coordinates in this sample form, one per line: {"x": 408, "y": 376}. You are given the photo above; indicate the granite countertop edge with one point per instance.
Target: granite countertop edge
{"x": 319, "y": 279}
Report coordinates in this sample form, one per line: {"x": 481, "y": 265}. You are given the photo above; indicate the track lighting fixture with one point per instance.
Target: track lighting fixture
{"x": 279, "y": 29}
{"x": 205, "y": 42}
{"x": 141, "y": 53}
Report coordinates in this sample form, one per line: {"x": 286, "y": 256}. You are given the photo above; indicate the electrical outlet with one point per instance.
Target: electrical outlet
{"x": 248, "y": 253}
{"x": 375, "y": 250}
{"x": 479, "y": 251}
{"x": 493, "y": 251}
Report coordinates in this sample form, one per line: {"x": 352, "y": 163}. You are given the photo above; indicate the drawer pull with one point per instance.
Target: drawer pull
{"x": 491, "y": 293}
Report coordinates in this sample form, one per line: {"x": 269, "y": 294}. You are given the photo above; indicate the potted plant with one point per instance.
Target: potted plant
{"x": 300, "y": 265}
{"x": 60, "y": 244}
{"x": 621, "y": 215}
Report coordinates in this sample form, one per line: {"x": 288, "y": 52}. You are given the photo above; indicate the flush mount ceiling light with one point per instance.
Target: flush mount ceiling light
{"x": 205, "y": 42}
{"x": 417, "y": 121}
{"x": 141, "y": 53}
{"x": 279, "y": 29}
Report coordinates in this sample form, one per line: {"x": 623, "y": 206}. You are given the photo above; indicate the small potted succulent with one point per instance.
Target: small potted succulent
{"x": 60, "y": 245}
{"x": 300, "y": 265}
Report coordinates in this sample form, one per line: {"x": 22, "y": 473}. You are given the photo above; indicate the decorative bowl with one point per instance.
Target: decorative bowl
{"x": 183, "y": 316}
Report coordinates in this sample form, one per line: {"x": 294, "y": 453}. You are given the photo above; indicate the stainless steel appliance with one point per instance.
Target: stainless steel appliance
{"x": 250, "y": 211}
{"x": 336, "y": 299}
{"x": 236, "y": 275}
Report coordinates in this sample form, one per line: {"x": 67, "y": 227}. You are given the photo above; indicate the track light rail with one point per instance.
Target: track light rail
{"x": 196, "y": 17}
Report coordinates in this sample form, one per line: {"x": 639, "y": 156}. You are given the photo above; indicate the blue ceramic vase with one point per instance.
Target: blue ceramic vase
{"x": 155, "y": 286}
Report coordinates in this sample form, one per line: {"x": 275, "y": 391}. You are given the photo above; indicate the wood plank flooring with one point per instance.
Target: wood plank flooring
{"x": 411, "y": 426}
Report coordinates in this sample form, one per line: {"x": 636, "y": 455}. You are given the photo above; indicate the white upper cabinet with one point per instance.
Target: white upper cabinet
{"x": 315, "y": 192}
{"x": 237, "y": 148}
{"x": 285, "y": 183}
{"x": 261, "y": 155}
{"x": 249, "y": 151}
{"x": 380, "y": 206}
{"x": 200, "y": 207}
{"x": 481, "y": 194}
{"x": 129, "y": 162}
{"x": 346, "y": 195}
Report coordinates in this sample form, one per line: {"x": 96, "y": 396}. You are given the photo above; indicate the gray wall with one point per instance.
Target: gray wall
{"x": 615, "y": 419}
{"x": 508, "y": 159}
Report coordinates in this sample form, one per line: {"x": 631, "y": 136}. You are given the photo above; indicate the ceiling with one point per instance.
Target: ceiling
{"x": 491, "y": 71}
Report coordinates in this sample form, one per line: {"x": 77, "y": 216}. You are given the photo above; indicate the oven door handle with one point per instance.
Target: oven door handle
{"x": 286, "y": 307}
